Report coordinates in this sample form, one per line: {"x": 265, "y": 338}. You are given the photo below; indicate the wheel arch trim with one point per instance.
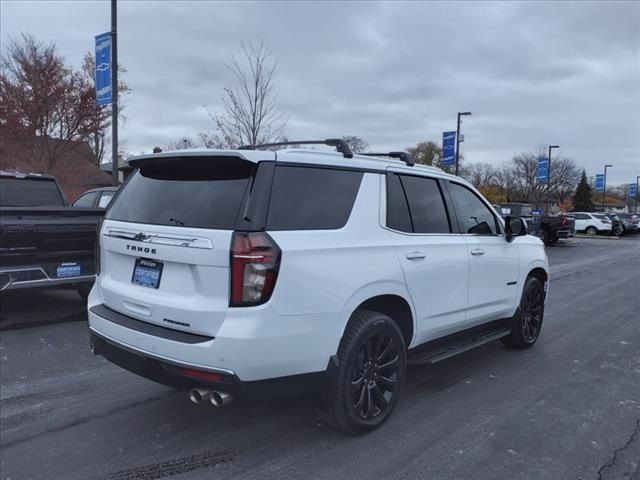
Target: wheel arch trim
{"x": 374, "y": 291}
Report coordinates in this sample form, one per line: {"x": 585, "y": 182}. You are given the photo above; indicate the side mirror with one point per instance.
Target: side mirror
{"x": 515, "y": 227}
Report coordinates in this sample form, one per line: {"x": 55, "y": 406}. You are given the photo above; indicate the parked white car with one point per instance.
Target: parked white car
{"x": 591, "y": 223}
{"x": 237, "y": 273}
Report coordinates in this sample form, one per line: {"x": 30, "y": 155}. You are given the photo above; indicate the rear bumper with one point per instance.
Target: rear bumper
{"x": 36, "y": 277}
{"x": 253, "y": 343}
{"x": 172, "y": 373}
{"x": 565, "y": 233}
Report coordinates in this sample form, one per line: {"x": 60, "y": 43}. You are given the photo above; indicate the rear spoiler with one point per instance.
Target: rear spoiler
{"x": 142, "y": 161}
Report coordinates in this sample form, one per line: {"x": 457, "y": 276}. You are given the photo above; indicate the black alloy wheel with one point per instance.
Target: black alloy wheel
{"x": 364, "y": 385}
{"x": 375, "y": 375}
{"x": 532, "y": 309}
{"x": 526, "y": 324}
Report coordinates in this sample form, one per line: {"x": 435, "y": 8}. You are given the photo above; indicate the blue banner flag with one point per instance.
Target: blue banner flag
{"x": 633, "y": 190}
{"x": 542, "y": 174}
{"x": 600, "y": 182}
{"x": 103, "y": 69}
{"x": 448, "y": 148}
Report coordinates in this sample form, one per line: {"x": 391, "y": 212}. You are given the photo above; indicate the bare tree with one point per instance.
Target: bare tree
{"x": 563, "y": 178}
{"x": 430, "y": 153}
{"x": 209, "y": 140}
{"x": 356, "y": 144}
{"x": 182, "y": 144}
{"x": 426, "y": 153}
{"x": 482, "y": 175}
{"x": 103, "y": 112}
{"x": 251, "y": 115}
{"x": 44, "y": 105}
{"x": 524, "y": 185}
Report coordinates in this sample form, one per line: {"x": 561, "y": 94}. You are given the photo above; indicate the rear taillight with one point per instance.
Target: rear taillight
{"x": 606, "y": 220}
{"x": 97, "y": 248}
{"x": 563, "y": 222}
{"x": 255, "y": 259}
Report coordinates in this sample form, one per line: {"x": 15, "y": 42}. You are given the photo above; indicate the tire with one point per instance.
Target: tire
{"x": 527, "y": 322}
{"x": 372, "y": 350}
{"x": 591, "y": 231}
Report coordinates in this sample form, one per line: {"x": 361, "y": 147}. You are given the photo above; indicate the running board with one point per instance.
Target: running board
{"x": 437, "y": 354}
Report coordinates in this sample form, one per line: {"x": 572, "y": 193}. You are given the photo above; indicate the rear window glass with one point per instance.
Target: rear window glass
{"x": 304, "y": 198}
{"x": 202, "y": 192}
{"x": 26, "y": 192}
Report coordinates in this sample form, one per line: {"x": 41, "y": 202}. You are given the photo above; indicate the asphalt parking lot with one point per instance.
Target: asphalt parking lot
{"x": 567, "y": 409}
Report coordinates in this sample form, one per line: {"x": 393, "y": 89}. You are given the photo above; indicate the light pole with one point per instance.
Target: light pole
{"x": 635, "y": 209}
{"x": 460, "y": 114}
{"x": 604, "y": 187}
{"x": 549, "y": 174}
{"x": 114, "y": 93}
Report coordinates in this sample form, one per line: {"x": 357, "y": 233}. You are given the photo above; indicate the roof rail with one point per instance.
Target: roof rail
{"x": 340, "y": 144}
{"x": 404, "y": 156}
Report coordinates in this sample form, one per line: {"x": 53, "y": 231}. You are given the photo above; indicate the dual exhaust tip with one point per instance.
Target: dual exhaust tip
{"x": 203, "y": 395}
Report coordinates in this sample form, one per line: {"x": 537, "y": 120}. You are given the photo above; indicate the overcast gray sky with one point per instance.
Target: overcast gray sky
{"x": 394, "y": 74}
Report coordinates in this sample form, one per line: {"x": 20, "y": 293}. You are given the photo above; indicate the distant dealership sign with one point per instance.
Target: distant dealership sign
{"x": 103, "y": 69}
{"x": 600, "y": 182}
{"x": 633, "y": 190}
{"x": 448, "y": 148}
{"x": 542, "y": 175}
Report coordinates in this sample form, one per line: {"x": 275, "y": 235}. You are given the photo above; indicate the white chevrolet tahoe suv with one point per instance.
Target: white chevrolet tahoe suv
{"x": 248, "y": 272}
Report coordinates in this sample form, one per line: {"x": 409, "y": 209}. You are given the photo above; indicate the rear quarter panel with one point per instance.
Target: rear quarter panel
{"x": 334, "y": 271}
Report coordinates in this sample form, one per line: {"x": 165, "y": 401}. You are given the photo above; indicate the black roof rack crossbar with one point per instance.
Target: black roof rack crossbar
{"x": 404, "y": 156}
{"x": 340, "y": 144}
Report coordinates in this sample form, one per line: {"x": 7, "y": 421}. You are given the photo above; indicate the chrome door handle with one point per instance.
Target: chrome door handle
{"x": 415, "y": 255}
{"x": 477, "y": 251}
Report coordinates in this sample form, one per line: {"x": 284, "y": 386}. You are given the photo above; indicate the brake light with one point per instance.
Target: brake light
{"x": 563, "y": 222}
{"x": 96, "y": 250}
{"x": 255, "y": 260}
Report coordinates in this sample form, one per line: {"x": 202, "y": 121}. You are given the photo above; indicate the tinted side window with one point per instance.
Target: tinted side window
{"x": 475, "y": 215}
{"x": 304, "y": 198}
{"x": 426, "y": 205}
{"x": 581, "y": 216}
{"x": 397, "y": 209}
{"x": 85, "y": 200}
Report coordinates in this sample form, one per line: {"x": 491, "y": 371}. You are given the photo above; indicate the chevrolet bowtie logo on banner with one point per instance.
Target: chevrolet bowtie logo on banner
{"x": 103, "y": 69}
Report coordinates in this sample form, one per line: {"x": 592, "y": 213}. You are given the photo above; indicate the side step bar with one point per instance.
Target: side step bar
{"x": 437, "y": 354}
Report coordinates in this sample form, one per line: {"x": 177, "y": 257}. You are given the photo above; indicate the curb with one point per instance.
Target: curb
{"x": 599, "y": 237}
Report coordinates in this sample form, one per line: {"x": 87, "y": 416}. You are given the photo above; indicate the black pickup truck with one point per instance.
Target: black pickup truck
{"x": 44, "y": 242}
{"x": 550, "y": 228}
